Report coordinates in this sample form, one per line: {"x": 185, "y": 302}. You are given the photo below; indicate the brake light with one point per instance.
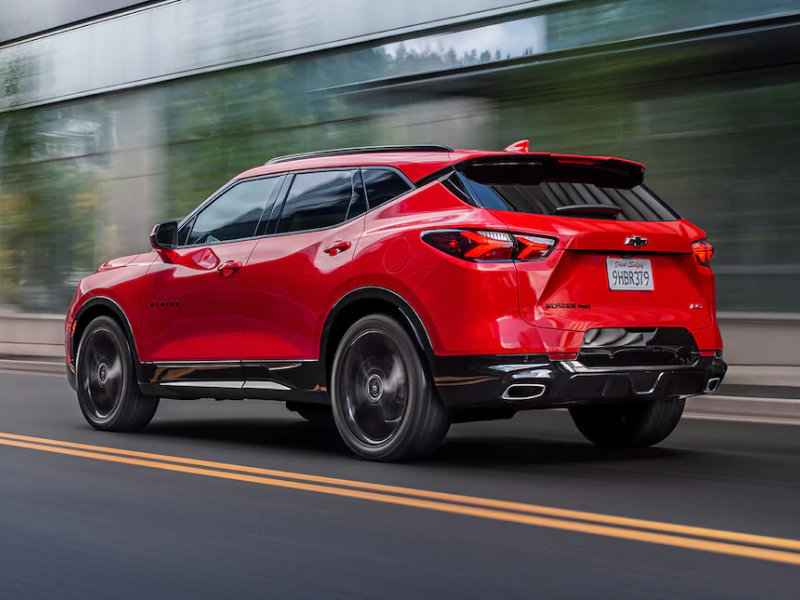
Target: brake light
{"x": 533, "y": 247}
{"x": 703, "y": 251}
{"x": 472, "y": 245}
{"x": 484, "y": 246}
{"x": 587, "y": 162}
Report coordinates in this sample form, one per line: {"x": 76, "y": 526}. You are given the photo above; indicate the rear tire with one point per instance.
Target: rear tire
{"x": 384, "y": 404}
{"x": 108, "y": 392}
{"x": 313, "y": 413}
{"x": 630, "y": 425}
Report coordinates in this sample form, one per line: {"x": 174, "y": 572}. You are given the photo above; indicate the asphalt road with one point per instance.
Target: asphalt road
{"x": 79, "y": 522}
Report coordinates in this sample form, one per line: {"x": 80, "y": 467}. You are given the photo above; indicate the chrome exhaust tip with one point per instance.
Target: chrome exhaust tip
{"x": 712, "y": 384}
{"x": 523, "y": 391}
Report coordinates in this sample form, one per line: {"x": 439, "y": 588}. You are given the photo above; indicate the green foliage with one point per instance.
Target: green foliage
{"x": 47, "y": 210}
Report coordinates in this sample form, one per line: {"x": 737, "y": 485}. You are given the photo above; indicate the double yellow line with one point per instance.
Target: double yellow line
{"x": 761, "y": 547}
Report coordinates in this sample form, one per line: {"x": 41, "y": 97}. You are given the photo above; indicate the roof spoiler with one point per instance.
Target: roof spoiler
{"x": 533, "y": 168}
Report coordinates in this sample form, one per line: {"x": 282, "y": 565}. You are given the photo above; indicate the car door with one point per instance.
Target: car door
{"x": 192, "y": 297}
{"x": 298, "y": 272}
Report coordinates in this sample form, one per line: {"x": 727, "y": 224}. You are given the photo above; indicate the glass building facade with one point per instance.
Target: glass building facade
{"x": 112, "y": 124}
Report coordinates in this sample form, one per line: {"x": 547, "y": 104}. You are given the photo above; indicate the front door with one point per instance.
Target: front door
{"x": 193, "y": 296}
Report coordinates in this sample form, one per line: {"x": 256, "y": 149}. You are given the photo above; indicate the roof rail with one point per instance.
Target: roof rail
{"x": 359, "y": 150}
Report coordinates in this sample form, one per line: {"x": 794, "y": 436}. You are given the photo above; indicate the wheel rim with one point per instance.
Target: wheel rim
{"x": 100, "y": 372}
{"x": 373, "y": 387}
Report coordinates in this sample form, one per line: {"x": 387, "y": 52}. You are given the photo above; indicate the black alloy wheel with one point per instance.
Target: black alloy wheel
{"x": 384, "y": 405}
{"x": 108, "y": 394}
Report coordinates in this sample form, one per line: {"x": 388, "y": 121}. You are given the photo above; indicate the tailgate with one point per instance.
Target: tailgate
{"x": 578, "y": 293}
{"x": 572, "y": 288}
{"x": 623, "y": 258}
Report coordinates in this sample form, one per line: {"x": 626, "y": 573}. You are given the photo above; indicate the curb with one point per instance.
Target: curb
{"x": 744, "y": 408}
{"x": 39, "y": 367}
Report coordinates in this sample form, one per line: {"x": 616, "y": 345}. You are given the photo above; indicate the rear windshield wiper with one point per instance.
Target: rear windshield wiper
{"x": 602, "y": 210}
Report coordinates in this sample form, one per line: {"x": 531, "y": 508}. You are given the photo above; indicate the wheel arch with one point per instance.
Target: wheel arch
{"x": 367, "y": 300}
{"x": 98, "y": 306}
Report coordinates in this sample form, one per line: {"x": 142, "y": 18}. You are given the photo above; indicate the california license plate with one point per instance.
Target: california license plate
{"x": 629, "y": 274}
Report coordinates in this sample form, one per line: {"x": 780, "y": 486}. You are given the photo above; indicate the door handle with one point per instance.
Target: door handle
{"x": 338, "y": 248}
{"x": 229, "y": 268}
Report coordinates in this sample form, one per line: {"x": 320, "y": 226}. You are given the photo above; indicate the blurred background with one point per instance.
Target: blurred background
{"x": 115, "y": 115}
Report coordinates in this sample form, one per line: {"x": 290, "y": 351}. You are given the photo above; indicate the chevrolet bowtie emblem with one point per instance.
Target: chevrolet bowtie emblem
{"x": 636, "y": 241}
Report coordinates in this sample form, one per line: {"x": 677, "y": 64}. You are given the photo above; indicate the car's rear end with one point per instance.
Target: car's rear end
{"x": 614, "y": 292}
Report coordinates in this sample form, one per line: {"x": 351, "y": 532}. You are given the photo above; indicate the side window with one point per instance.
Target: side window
{"x": 235, "y": 214}
{"x": 319, "y": 200}
{"x": 383, "y": 185}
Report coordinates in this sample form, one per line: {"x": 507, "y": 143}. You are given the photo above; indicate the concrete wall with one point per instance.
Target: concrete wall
{"x": 32, "y": 335}
{"x": 766, "y": 339}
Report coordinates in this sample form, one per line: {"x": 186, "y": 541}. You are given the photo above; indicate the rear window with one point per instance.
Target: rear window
{"x": 383, "y": 185}
{"x": 560, "y": 198}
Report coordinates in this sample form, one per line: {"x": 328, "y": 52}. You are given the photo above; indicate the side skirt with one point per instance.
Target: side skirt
{"x": 300, "y": 381}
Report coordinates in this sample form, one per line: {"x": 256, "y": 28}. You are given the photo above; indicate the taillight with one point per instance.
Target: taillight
{"x": 533, "y": 247}
{"x": 703, "y": 251}
{"x": 472, "y": 245}
{"x": 484, "y": 246}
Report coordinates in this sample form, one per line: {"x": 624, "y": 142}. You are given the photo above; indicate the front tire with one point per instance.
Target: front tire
{"x": 108, "y": 393}
{"x": 629, "y": 425}
{"x": 384, "y": 405}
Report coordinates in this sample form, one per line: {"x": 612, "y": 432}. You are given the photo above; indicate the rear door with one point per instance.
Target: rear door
{"x": 296, "y": 274}
{"x": 192, "y": 298}
{"x": 623, "y": 258}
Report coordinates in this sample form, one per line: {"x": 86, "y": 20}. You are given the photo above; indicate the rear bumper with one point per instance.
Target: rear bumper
{"x": 531, "y": 381}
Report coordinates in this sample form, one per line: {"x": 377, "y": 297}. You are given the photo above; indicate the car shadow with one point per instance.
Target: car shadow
{"x": 460, "y": 450}
{"x": 267, "y": 434}
{"x": 508, "y": 451}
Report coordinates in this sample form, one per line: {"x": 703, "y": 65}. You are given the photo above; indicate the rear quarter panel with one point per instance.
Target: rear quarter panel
{"x": 465, "y": 307}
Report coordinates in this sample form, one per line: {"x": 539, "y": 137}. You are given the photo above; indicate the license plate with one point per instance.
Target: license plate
{"x": 629, "y": 274}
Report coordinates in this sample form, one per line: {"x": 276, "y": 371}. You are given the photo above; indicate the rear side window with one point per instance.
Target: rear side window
{"x": 321, "y": 199}
{"x": 235, "y": 214}
{"x": 383, "y": 185}
{"x": 547, "y": 197}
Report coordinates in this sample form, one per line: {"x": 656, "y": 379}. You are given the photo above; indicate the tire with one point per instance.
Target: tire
{"x": 630, "y": 425}
{"x": 313, "y": 413}
{"x": 384, "y": 404}
{"x": 108, "y": 393}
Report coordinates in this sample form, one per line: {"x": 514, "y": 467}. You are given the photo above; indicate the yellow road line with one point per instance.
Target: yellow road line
{"x": 562, "y": 513}
{"x": 461, "y": 509}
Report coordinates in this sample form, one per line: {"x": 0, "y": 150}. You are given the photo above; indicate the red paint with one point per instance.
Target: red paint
{"x": 291, "y": 283}
{"x": 268, "y": 298}
{"x": 206, "y": 323}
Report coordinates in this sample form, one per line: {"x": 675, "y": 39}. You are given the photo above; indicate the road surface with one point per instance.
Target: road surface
{"x": 244, "y": 499}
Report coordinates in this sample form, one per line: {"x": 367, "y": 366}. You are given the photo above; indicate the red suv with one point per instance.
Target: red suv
{"x": 403, "y": 288}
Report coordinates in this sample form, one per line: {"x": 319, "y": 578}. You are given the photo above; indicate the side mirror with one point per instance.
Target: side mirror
{"x": 164, "y": 236}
